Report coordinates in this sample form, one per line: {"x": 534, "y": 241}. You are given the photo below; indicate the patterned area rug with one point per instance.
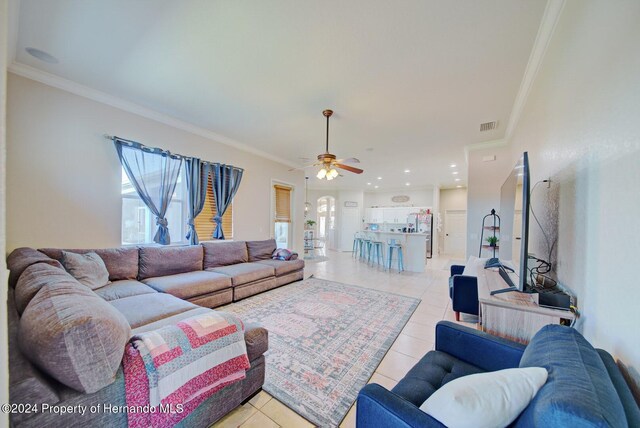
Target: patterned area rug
{"x": 325, "y": 341}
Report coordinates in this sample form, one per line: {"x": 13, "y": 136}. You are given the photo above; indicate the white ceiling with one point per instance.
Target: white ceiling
{"x": 411, "y": 80}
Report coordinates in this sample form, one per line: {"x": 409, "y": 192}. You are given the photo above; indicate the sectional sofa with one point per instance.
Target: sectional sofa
{"x": 66, "y": 341}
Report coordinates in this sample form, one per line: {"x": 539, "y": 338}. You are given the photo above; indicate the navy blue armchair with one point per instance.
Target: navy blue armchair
{"x": 460, "y": 351}
{"x": 463, "y": 291}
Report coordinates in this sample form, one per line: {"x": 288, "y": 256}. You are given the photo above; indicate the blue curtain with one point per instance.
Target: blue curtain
{"x": 153, "y": 173}
{"x": 197, "y": 177}
{"x": 226, "y": 181}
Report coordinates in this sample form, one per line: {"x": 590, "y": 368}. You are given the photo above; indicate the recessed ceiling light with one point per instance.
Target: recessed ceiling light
{"x": 407, "y": 171}
{"x": 375, "y": 187}
{"x": 453, "y": 165}
{"x": 368, "y": 184}
{"x": 457, "y": 179}
{"x": 454, "y": 172}
{"x": 407, "y": 184}
{"x": 379, "y": 178}
{"x": 459, "y": 186}
{"x": 42, "y": 55}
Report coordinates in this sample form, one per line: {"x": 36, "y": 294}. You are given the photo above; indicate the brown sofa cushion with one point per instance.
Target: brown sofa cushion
{"x": 88, "y": 269}
{"x": 22, "y": 258}
{"x": 261, "y": 250}
{"x": 162, "y": 261}
{"x": 170, "y": 320}
{"x": 244, "y": 273}
{"x": 284, "y": 267}
{"x": 147, "y": 308}
{"x": 125, "y": 288}
{"x": 189, "y": 284}
{"x": 224, "y": 253}
{"x": 73, "y": 335}
{"x": 33, "y": 279}
{"x": 122, "y": 263}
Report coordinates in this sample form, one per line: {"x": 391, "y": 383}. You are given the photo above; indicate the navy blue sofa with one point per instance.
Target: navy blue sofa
{"x": 463, "y": 291}
{"x": 584, "y": 386}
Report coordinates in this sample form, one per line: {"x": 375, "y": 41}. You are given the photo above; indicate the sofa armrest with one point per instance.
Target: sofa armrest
{"x": 480, "y": 349}
{"x": 380, "y": 408}
{"x": 256, "y": 339}
{"x": 457, "y": 270}
{"x": 464, "y": 294}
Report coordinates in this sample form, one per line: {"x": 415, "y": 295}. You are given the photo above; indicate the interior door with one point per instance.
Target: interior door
{"x": 455, "y": 232}
{"x": 350, "y": 225}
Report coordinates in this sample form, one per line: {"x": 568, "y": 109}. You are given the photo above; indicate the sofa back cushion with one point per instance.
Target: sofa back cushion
{"x": 122, "y": 263}
{"x": 163, "y": 261}
{"x": 579, "y": 391}
{"x": 261, "y": 250}
{"x": 224, "y": 253}
{"x": 33, "y": 279}
{"x": 73, "y": 335}
{"x": 22, "y": 258}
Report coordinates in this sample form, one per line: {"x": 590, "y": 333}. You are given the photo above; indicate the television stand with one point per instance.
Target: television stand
{"x": 505, "y": 277}
{"x": 516, "y": 316}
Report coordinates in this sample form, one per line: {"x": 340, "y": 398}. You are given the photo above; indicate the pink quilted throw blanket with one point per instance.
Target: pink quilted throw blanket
{"x": 169, "y": 371}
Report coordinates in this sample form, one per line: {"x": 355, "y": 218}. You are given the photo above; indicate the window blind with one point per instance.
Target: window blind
{"x": 283, "y": 203}
{"x": 204, "y": 221}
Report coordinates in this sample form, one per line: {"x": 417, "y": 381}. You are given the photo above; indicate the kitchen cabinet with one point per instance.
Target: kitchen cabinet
{"x": 373, "y": 215}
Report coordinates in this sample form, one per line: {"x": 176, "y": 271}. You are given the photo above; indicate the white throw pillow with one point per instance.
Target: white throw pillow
{"x": 493, "y": 399}
{"x": 473, "y": 264}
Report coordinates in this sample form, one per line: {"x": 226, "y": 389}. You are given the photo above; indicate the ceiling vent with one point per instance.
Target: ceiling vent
{"x": 488, "y": 126}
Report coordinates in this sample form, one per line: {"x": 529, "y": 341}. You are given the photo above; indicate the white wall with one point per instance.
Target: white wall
{"x": 63, "y": 177}
{"x": 4, "y": 365}
{"x": 417, "y": 198}
{"x": 345, "y": 233}
{"x": 483, "y": 189}
{"x": 450, "y": 199}
{"x": 580, "y": 125}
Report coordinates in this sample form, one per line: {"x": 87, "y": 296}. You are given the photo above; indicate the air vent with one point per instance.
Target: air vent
{"x": 488, "y": 126}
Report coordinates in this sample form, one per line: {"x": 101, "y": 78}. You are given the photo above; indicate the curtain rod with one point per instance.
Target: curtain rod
{"x": 131, "y": 143}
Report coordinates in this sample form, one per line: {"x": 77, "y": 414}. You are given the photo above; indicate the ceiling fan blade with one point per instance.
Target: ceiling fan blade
{"x": 348, "y": 168}
{"x": 301, "y": 168}
{"x": 348, "y": 160}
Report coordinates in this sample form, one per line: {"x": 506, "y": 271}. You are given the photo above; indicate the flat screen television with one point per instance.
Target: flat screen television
{"x": 514, "y": 226}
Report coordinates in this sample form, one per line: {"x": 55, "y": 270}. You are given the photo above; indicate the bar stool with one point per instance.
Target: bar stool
{"x": 357, "y": 244}
{"x": 365, "y": 248}
{"x": 391, "y": 245}
{"x": 376, "y": 252}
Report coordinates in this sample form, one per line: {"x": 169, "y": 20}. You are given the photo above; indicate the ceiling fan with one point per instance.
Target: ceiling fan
{"x": 329, "y": 162}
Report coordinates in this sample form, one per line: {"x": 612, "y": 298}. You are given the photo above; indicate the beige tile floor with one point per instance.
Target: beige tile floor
{"x": 415, "y": 340}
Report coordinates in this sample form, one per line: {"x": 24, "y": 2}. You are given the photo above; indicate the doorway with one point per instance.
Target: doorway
{"x": 455, "y": 232}
{"x": 326, "y": 213}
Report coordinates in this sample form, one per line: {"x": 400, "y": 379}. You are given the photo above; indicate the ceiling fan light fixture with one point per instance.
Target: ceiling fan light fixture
{"x": 332, "y": 173}
{"x": 322, "y": 174}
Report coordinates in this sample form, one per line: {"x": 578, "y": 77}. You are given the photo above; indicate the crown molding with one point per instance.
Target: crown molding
{"x": 550, "y": 19}
{"x": 130, "y": 107}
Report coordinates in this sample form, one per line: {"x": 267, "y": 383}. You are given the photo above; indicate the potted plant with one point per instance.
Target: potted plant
{"x": 493, "y": 241}
{"x": 309, "y": 224}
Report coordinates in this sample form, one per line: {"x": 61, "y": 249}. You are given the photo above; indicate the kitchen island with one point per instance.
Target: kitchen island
{"x": 414, "y": 248}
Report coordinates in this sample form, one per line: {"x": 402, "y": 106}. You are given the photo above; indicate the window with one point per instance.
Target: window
{"x": 282, "y": 216}
{"x": 139, "y": 224}
{"x": 204, "y": 223}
